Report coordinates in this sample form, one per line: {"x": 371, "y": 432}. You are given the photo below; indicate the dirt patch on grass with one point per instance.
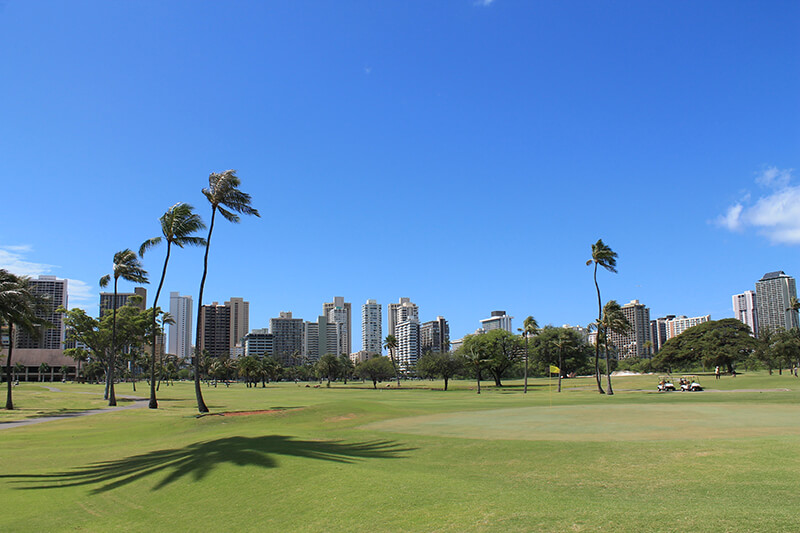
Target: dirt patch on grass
{"x": 247, "y": 413}
{"x": 342, "y": 418}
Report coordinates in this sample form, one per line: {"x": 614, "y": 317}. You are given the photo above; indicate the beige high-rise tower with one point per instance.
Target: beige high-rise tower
{"x": 240, "y": 321}
{"x": 339, "y": 312}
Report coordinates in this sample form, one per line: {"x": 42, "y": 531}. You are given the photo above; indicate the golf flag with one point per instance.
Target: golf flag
{"x": 554, "y": 369}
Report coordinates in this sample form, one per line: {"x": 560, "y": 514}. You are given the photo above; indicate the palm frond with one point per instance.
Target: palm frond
{"x": 105, "y": 280}
{"x": 149, "y": 243}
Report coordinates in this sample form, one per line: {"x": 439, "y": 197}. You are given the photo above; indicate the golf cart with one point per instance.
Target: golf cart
{"x": 690, "y": 384}
{"x": 665, "y": 384}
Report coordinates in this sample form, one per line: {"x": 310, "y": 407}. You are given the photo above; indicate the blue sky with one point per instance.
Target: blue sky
{"x": 464, "y": 154}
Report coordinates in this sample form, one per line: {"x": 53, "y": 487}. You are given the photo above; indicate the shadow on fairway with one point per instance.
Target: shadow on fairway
{"x": 200, "y": 458}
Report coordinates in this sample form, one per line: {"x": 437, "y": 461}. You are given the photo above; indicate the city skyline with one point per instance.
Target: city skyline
{"x": 533, "y": 129}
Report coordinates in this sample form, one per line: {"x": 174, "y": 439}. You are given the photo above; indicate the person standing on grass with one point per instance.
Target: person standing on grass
{"x": 716, "y": 373}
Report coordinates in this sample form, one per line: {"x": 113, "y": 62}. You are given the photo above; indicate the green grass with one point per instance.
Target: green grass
{"x": 352, "y": 458}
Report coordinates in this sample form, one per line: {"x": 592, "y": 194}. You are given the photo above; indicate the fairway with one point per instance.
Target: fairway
{"x": 628, "y": 422}
{"x": 350, "y": 458}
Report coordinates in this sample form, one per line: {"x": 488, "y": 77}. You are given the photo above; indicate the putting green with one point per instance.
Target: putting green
{"x": 606, "y": 422}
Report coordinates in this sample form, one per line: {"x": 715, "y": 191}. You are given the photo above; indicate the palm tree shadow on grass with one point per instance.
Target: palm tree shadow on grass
{"x": 200, "y": 458}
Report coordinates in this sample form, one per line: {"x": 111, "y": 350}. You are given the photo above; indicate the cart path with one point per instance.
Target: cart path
{"x": 138, "y": 403}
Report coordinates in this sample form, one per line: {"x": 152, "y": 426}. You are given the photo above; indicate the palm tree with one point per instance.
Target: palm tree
{"x": 605, "y": 257}
{"x": 18, "y": 306}
{"x": 613, "y": 321}
{"x": 166, "y": 318}
{"x": 177, "y": 226}
{"x": 44, "y": 368}
{"x": 224, "y": 196}
{"x": 18, "y": 369}
{"x": 530, "y": 327}
{"x": 563, "y": 342}
{"x": 794, "y": 307}
{"x": 476, "y": 360}
{"x": 390, "y": 343}
{"x": 128, "y": 267}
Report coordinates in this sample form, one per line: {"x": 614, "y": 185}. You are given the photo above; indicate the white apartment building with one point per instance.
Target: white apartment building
{"x": 400, "y": 312}
{"x": 744, "y": 310}
{"x": 55, "y": 290}
{"x": 407, "y": 343}
{"x": 180, "y": 333}
{"x": 371, "y": 332}
{"x": 679, "y": 324}
{"x": 340, "y": 312}
{"x": 774, "y": 291}
{"x": 497, "y": 320}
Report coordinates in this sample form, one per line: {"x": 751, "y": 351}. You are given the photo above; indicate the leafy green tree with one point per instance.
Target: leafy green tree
{"x": 605, "y": 257}
{"x": 500, "y": 348}
{"x": 613, "y": 321}
{"x": 764, "y": 352}
{"x": 328, "y": 367}
{"x": 376, "y": 369}
{"x": 346, "y": 367}
{"x": 249, "y": 368}
{"x": 390, "y": 343}
{"x": 224, "y": 196}
{"x": 271, "y": 369}
{"x": 439, "y": 365}
{"x": 18, "y": 307}
{"x": 715, "y": 343}
{"x": 178, "y": 226}
{"x": 563, "y": 348}
{"x": 787, "y": 348}
{"x": 529, "y": 328}
{"x": 128, "y": 267}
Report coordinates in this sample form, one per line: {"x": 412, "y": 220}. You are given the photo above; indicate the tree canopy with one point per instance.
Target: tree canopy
{"x": 722, "y": 343}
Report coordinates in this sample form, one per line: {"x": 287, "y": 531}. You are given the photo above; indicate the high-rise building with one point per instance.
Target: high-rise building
{"x": 658, "y": 331}
{"x": 773, "y": 293}
{"x": 287, "y": 338}
{"x": 744, "y": 309}
{"x": 240, "y": 321}
{"x": 54, "y": 291}
{"x": 215, "y": 330}
{"x": 258, "y": 343}
{"x": 180, "y": 333}
{"x": 497, "y": 320}
{"x": 107, "y": 299}
{"x": 434, "y": 336}
{"x": 371, "y": 333}
{"x": 400, "y": 312}
{"x": 340, "y": 312}
{"x": 679, "y": 324}
{"x": 320, "y": 338}
{"x": 407, "y": 343}
{"x": 633, "y": 343}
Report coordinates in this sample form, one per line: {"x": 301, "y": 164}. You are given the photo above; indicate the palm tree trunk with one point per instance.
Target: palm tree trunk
{"x": 112, "y": 399}
{"x": 610, "y": 391}
{"x": 396, "y": 372}
{"x": 560, "y": 366}
{"x": 198, "y": 392}
{"x": 525, "y": 387}
{"x": 153, "y": 401}
{"x": 597, "y": 342}
{"x": 9, "y": 398}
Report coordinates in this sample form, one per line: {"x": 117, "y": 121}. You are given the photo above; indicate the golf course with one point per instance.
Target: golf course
{"x": 287, "y": 457}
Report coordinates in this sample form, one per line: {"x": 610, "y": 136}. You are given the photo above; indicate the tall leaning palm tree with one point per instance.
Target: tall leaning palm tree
{"x": 605, "y": 257}
{"x": 613, "y": 321}
{"x": 128, "y": 267}
{"x": 224, "y": 196}
{"x": 178, "y": 225}
{"x": 390, "y": 343}
{"x": 529, "y": 328}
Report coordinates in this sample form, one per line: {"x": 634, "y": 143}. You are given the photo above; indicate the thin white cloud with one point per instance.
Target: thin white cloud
{"x": 79, "y": 293}
{"x": 774, "y": 177}
{"x": 484, "y": 3}
{"x": 775, "y": 216}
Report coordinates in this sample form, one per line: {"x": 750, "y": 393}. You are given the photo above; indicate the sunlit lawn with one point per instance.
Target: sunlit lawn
{"x": 353, "y": 458}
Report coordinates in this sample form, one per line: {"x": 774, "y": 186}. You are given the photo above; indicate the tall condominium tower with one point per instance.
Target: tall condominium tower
{"x": 55, "y": 292}
{"x": 632, "y": 344}
{"x": 744, "y": 309}
{"x": 773, "y": 293}
{"x": 658, "y": 331}
{"x": 497, "y": 320}
{"x": 240, "y": 320}
{"x": 287, "y": 338}
{"x": 407, "y": 343}
{"x": 107, "y": 299}
{"x": 320, "y": 338}
{"x": 371, "y": 333}
{"x": 215, "y": 330}
{"x": 180, "y": 333}
{"x": 400, "y": 312}
{"x": 434, "y": 336}
{"x": 340, "y": 312}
